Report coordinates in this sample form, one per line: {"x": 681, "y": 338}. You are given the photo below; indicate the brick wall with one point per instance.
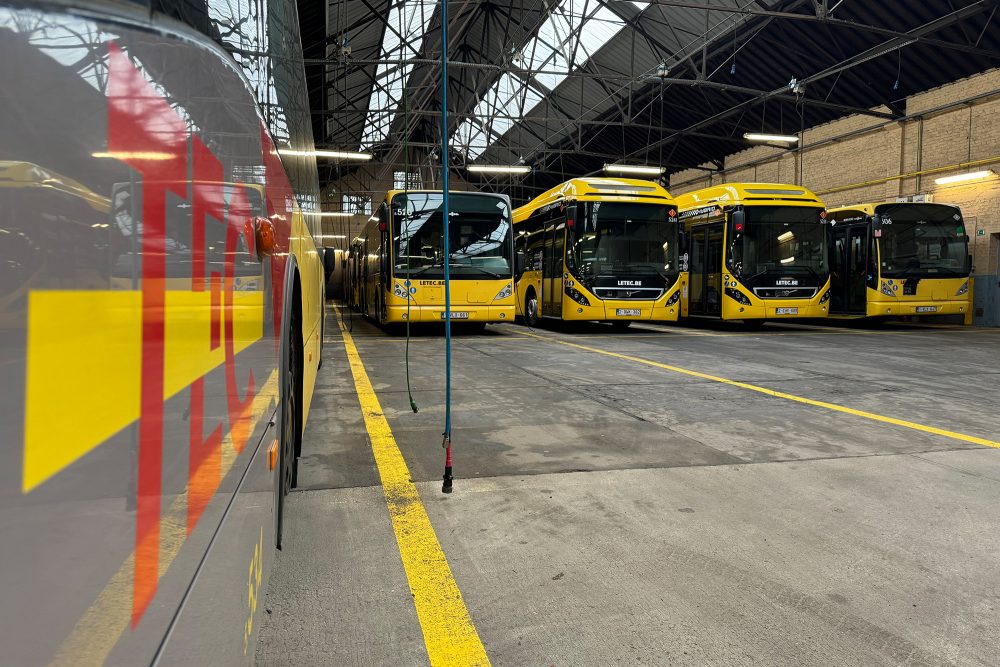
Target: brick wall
{"x": 867, "y": 165}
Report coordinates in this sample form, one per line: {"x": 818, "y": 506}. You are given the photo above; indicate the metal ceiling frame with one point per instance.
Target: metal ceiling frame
{"x": 549, "y": 131}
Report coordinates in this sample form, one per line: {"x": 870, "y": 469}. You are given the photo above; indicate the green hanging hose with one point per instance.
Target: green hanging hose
{"x": 409, "y": 294}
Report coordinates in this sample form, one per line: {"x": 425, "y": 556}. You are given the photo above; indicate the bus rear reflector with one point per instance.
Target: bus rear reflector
{"x": 272, "y": 455}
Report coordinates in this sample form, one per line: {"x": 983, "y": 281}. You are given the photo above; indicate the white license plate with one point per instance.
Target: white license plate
{"x": 628, "y": 312}
{"x": 458, "y": 315}
{"x": 926, "y": 309}
{"x": 786, "y": 311}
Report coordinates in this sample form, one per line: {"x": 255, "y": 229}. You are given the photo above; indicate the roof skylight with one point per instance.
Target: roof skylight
{"x": 404, "y": 33}
{"x": 571, "y": 34}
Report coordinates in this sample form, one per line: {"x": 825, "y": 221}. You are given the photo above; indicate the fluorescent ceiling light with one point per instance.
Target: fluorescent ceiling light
{"x": 788, "y": 260}
{"x": 783, "y": 138}
{"x": 339, "y": 155}
{"x": 330, "y": 236}
{"x": 499, "y": 169}
{"x": 329, "y": 214}
{"x": 634, "y": 169}
{"x": 961, "y": 178}
{"x": 135, "y": 155}
{"x": 785, "y": 236}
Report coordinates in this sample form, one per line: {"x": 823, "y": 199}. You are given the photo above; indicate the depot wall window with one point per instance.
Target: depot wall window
{"x": 406, "y": 180}
{"x": 358, "y": 204}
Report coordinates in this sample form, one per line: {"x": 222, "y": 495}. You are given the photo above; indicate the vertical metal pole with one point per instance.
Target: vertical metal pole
{"x": 446, "y": 487}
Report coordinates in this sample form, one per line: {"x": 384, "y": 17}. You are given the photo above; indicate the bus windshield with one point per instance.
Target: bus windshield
{"x": 922, "y": 239}
{"x": 780, "y": 239}
{"x": 479, "y": 240}
{"x": 623, "y": 238}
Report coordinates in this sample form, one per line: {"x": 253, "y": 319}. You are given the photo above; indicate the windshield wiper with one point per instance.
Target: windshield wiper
{"x": 440, "y": 265}
{"x": 480, "y": 269}
{"x": 807, "y": 269}
{"x": 424, "y": 269}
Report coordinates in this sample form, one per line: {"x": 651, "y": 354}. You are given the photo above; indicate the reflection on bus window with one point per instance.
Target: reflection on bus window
{"x": 784, "y": 239}
{"x": 479, "y": 234}
{"x": 624, "y": 238}
{"x": 922, "y": 240}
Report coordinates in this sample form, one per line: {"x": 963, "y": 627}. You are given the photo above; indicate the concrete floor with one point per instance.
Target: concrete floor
{"x": 607, "y": 512}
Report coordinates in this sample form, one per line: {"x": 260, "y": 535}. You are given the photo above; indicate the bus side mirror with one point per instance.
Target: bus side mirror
{"x": 739, "y": 220}
{"x": 519, "y": 261}
{"x": 968, "y": 265}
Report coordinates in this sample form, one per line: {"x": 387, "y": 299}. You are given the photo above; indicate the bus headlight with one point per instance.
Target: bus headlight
{"x": 737, "y": 296}
{"x": 505, "y": 292}
{"x": 826, "y": 297}
{"x": 577, "y": 296}
{"x": 400, "y": 291}
{"x": 964, "y": 289}
{"x": 887, "y": 290}
{"x": 674, "y": 298}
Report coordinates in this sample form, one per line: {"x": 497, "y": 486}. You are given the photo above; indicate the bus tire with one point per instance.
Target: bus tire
{"x": 290, "y": 370}
{"x": 531, "y": 309}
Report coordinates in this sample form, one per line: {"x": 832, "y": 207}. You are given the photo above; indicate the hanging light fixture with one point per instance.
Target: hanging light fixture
{"x": 962, "y": 178}
{"x": 642, "y": 169}
{"x": 780, "y": 138}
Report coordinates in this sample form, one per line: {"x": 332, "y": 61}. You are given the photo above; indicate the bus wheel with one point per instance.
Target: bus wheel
{"x": 288, "y": 463}
{"x": 620, "y": 325}
{"x": 531, "y": 310}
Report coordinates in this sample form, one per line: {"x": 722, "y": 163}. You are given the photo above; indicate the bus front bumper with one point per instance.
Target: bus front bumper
{"x": 459, "y": 313}
{"x": 612, "y": 310}
{"x": 921, "y": 307}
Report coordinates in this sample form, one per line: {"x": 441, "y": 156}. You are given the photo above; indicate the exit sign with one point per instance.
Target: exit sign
{"x": 980, "y": 232}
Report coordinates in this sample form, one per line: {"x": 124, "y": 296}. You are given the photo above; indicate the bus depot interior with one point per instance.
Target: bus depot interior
{"x": 579, "y": 332}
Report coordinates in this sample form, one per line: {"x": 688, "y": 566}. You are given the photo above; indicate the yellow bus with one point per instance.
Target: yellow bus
{"x": 161, "y": 327}
{"x": 399, "y": 257}
{"x": 755, "y": 252}
{"x": 899, "y": 259}
{"x": 598, "y": 249}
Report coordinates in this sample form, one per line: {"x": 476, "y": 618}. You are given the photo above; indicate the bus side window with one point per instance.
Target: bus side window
{"x": 872, "y": 274}
{"x": 384, "y": 251}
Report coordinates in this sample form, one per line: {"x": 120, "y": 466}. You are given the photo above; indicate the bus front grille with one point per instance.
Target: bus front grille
{"x": 785, "y": 292}
{"x": 644, "y": 293}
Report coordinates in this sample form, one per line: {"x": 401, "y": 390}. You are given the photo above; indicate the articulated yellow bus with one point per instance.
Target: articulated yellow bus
{"x": 399, "y": 258}
{"x": 599, "y": 249}
{"x": 756, "y": 252}
{"x": 892, "y": 259}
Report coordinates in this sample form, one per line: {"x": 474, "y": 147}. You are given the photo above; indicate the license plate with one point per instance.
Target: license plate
{"x": 458, "y": 315}
{"x": 926, "y": 309}
{"x": 786, "y": 311}
{"x": 628, "y": 312}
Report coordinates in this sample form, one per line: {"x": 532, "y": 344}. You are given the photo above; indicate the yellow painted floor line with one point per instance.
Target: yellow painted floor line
{"x": 449, "y": 634}
{"x": 779, "y": 394}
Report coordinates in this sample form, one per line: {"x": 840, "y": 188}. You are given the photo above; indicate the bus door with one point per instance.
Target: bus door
{"x": 552, "y": 267}
{"x": 848, "y": 267}
{"x": 706, "y": 270}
